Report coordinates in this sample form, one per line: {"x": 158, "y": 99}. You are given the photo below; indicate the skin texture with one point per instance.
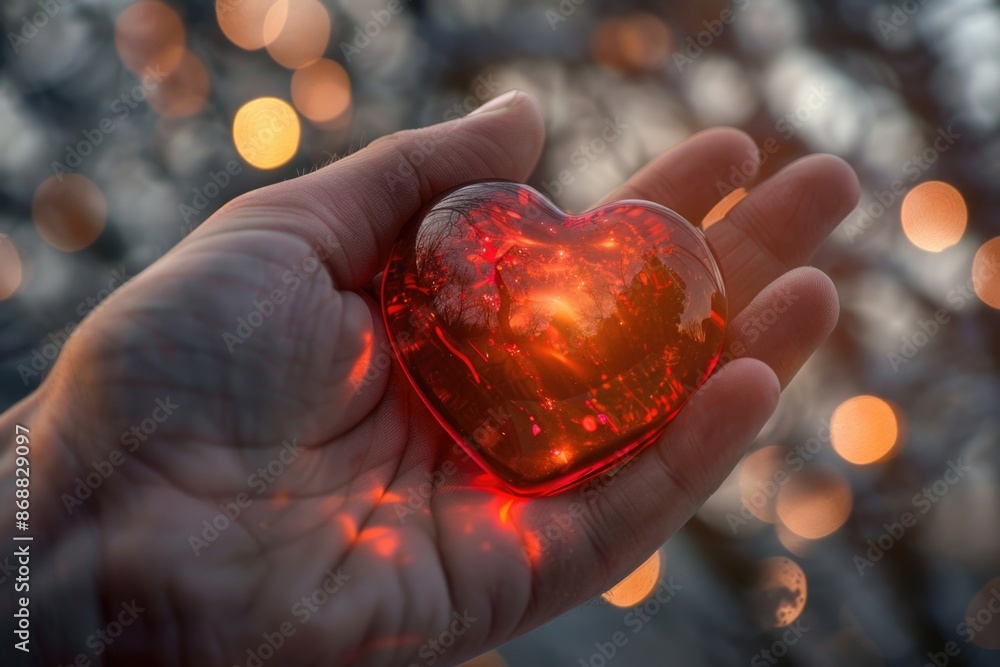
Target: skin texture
{"x": 317, "y": 371}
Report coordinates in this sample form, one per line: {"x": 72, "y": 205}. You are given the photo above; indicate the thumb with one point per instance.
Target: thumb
{"x": 352, "y": 211}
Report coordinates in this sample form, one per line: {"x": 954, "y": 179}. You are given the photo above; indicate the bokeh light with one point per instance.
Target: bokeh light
{"x": 637, "y": 586}
{"x": 864, "y": 430}
{"x": 10, "y": 268}
{"x": 982, "y": 616}
{"x": 934, "y": 216}
{"x": 796, "y": 544}
{"x": 722, "y": 209}
{"x": 986, "y": 273}
{"x": 631, "y": 43}
{"x": 721, "y": 90}
{"x": 779, "y": 592}
{"x": 296, "y": 33}
{"x": 242, "y": 21}
{"x": 150, "y": 35}
{"x": 814, "y": 502}
{"x": 69, "y": 212}
{"x": 321, "y": 91}
{"x": 184, "y": 92}
{"x": 266, "y": 132}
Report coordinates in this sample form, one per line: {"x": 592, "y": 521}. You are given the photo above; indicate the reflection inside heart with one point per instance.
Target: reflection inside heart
{"x": 552, "y": 346}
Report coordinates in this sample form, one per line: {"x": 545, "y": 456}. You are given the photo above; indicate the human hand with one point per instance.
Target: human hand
{"x": 372, "y": 497}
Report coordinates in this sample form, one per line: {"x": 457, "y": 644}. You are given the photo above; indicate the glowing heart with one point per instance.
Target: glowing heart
{"x": 552, "y": 346}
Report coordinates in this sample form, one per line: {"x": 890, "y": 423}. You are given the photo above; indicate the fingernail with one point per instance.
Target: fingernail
{"x": 497, "y": 103}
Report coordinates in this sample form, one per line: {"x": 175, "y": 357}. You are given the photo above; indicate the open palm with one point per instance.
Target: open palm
{"x": 277, "y": 486}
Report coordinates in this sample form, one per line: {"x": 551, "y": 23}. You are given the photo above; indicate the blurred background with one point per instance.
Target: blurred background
{"x": 864, "y": 527}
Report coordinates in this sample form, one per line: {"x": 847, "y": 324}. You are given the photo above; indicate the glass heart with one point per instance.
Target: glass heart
{"x": 552, "y": 347}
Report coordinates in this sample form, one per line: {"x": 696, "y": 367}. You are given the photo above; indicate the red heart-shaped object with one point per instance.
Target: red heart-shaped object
{"x": 552, "y": 346}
